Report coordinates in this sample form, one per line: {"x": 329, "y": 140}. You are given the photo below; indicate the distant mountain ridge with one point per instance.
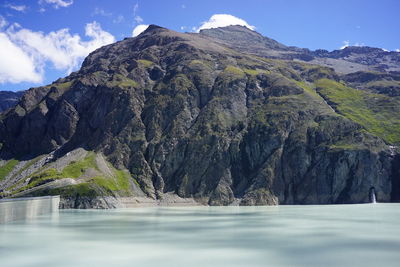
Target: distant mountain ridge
{"x": 347, "y": 60}
{"x": 223, "y": 117}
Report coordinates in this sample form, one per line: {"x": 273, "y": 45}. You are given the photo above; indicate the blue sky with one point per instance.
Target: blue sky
{"x": 42, "y": 40}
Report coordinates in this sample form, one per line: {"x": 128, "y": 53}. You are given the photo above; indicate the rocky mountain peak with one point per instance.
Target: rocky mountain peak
{"x": 231, "y": 29}
{"x": 153, "y": 27}
{"x": 242, "y": 38}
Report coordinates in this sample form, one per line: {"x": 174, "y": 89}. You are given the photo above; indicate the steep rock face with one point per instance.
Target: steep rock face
{"x": 185, "y": 115}
{"x": 9, "y": 99}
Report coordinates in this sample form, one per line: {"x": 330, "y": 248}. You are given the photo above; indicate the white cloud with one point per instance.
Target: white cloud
{"x": 57, "y": 3}
{"x": 15, "y": 65}
{"x": 223, "y": 20}
{"x": 139, "y": 29}
{"x": 101, "y": 12}
{"x": 398, "y": 50}
{"x": 3, "y": 22}
{"x": 138, "y": 19}
{"x": 345, "y": 44}
{"x": 63, "y": 49}
{"x": 359, "y": 44}
{"x": 119, "y": 19}
{"x": 135, "y": 9}
{"x": 20, "y": 8}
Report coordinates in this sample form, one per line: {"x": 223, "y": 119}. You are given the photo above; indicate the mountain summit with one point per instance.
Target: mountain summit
{"x": 223, "y": 117}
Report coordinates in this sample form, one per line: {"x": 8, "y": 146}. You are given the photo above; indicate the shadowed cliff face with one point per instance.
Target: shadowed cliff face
{"x": 9, "y": 99}
{"x": 184, "y": 114}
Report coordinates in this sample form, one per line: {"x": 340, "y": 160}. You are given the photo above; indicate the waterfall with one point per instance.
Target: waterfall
{"x": 372, "y": 196}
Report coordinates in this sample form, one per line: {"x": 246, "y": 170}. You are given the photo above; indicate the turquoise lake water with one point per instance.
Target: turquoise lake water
{"x": 343, "y": 235}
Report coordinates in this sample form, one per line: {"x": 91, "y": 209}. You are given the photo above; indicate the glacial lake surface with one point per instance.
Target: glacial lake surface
{"x": 334, "y": 235}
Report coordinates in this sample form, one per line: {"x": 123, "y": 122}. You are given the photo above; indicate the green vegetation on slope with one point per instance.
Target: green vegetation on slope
{"x": 378, "y": 114}
{"x": 82, "y": 189}
{"x": 7, "y": 168}
{"x": 145, "y": 63}
{"x": 196, "y": 64}
{"x": 117, "y": 183}
{"x": 255, "y": 72}
{"x": 122, "y": 82}
{"x": 42, "y": 177}
{"x": 76, "y": 168}
{"x": 346, "y": 146}
{"x": 233, "y": 72}
{"x": 72, "y": 170}
{"x": 63, "y": 86}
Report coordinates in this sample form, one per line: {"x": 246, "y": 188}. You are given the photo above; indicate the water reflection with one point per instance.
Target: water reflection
{"x": 26, "y": 209}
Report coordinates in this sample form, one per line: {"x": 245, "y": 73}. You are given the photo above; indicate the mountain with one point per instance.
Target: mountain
{"x": 9, "y": 99}
{"x": 223, "y": 117}
{"x": 347, "y": 60}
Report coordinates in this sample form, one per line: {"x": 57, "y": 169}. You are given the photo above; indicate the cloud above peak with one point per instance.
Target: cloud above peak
{"x": 223, "y": 20}
{"x": 139, "y": 29}
{"x": 347, "y": 44}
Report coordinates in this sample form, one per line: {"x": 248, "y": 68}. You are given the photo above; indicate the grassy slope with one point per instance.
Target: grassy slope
{"x": 378, "y": 114}
{"x": 7, "y": 168}
{"x": 101, "y": 184}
